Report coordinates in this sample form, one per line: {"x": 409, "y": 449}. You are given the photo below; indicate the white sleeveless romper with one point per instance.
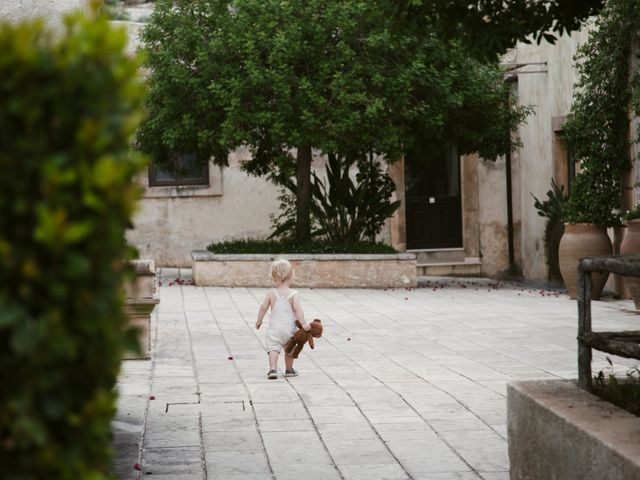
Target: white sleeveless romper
{"x": 282, "y": 323}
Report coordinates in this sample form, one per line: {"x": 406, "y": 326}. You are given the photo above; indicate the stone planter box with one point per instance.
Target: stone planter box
{"x": 313, "y": 270}
{"x": 139, "y": 304}
{"x": 558, "y": 431}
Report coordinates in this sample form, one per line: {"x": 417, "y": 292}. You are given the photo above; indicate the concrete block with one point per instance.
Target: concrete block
{"x": 557, "y": 431}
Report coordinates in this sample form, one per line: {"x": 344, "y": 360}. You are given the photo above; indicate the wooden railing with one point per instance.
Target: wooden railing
{"x": 624, "y": 343}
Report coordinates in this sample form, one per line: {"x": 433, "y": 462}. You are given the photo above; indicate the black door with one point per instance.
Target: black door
{"x": 433, "y": 206}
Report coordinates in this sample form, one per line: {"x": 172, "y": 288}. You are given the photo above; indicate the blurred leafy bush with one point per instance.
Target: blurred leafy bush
{"x": 70, "y": 104}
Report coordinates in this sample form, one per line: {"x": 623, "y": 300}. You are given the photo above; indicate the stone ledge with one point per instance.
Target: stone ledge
{"x": 144, "y": 267}
{"x": 312, "y": 270}
{"x": 207, "y": 256}
{"x": 558, "y": 431}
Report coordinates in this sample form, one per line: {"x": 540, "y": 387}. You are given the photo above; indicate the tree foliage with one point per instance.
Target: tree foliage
{"x": 490, "y": 27}
{"x": 285, "y": 77}
{"x": 70, "y": 106}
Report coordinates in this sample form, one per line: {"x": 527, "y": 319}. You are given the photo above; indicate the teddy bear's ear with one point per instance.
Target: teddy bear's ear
{"x": 317, "y": 320}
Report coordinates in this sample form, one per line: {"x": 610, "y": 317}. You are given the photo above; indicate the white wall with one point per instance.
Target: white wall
{"x": 550, "y": 95}
{"x": 50, "y": 10}
{"x": 168, "y": 228}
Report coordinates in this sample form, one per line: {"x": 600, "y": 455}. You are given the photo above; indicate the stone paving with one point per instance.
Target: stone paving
{"x": 404, "y": 384}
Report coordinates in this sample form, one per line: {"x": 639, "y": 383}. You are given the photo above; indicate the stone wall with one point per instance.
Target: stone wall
{"x": 316, "y": 271}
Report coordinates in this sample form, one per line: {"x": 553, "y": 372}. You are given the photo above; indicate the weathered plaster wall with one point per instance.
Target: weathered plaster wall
{"x": 50, "y": 10}
{"x": 492, "y": 216}
{"x": 549, "y": 95}
{"x": 167, "y": 229}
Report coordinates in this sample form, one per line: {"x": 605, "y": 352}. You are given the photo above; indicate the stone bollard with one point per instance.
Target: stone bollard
{"x": 140, "y": 303}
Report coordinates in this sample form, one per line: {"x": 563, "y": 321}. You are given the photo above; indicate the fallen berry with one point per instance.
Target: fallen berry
{"x": 136, "y": 466}
{"x": 229, "y": 357}
{"x": 151, "y": 397}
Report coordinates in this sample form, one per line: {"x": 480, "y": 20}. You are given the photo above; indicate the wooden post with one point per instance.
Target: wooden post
{"x": 584, "y": 326}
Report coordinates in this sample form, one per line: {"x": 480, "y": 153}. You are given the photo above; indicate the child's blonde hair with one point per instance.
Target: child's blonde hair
{"x": 281, "y": 270}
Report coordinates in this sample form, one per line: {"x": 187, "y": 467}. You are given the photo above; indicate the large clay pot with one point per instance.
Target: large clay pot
{"x": 582, "y": 240}
{"x": 631, "y": 245}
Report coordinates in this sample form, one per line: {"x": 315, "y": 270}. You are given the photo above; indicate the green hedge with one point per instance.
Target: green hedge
{"x": 68, "y": 107}
{"x": 274, "y": 246}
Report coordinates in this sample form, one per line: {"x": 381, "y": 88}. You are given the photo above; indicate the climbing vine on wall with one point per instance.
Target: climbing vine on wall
{"x": 598, "y": 127}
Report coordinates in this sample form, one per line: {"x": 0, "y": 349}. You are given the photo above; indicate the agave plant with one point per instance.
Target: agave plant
{"x": 343, "y": 208}
{"x": 554, "y": 209}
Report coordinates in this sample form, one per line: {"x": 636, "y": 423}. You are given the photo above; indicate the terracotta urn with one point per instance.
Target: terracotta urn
{"x": 631, "y": 245}
{"x": 578, "y": 241}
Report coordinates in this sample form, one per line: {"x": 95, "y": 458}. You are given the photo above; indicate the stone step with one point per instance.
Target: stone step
{"x": 471, "y": 267}
{"x": 439, "y": 255}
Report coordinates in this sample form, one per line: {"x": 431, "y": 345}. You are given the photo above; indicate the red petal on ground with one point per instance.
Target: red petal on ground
{"x": 151, "y": 397}
{"x": 136, "y": 466}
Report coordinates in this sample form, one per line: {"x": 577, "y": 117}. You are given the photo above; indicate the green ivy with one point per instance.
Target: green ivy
{"x": 598, "y": 127}
{"x": 70, "y": 104}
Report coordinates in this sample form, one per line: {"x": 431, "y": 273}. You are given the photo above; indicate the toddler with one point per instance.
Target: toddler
{"x": 285, "y": 309}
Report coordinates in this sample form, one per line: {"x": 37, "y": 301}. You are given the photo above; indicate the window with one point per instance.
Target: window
{"x": 182, "y": 170}
{"x": 565, "y": 166}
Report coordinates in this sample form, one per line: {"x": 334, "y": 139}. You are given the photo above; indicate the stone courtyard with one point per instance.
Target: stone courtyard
{"x": 404, "y": 384}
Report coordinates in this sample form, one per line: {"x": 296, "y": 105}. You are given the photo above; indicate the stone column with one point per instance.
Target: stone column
{"x": 470, "y": 205}
{"x": 140, "y": 303}
{"x": 398, "y": 221}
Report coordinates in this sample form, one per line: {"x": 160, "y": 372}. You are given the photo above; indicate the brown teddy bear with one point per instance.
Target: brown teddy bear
{"x": 296, "y": 344}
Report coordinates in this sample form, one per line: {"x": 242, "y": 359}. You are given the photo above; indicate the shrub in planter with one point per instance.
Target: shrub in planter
{"x": 69, "y": 106}
{"x": 250, "y": 246}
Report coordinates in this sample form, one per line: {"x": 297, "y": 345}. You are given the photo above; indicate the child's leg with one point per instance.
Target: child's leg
{"x": 273, "y": 360}
{"x": 288, "y": 361}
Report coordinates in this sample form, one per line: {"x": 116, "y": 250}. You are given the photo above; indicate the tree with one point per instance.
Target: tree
{"x": 289, "y": 77}
{"x": 598, "y": 127}
{"x": 489, "y": 27}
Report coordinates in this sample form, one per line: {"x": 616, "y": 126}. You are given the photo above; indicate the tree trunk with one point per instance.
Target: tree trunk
{"x": 303, "y": 193}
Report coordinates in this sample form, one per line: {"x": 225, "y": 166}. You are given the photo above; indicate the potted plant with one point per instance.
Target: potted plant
{"x": 589, "y": 211}
{"x": 631, "y": 245}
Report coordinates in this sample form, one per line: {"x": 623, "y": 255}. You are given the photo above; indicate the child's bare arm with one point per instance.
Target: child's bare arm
{"x": 263, "y": 310}
{"x": 297, "y": 309}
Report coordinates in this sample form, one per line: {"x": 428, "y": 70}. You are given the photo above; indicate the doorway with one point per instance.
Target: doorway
{"x": 432, "y": 199}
